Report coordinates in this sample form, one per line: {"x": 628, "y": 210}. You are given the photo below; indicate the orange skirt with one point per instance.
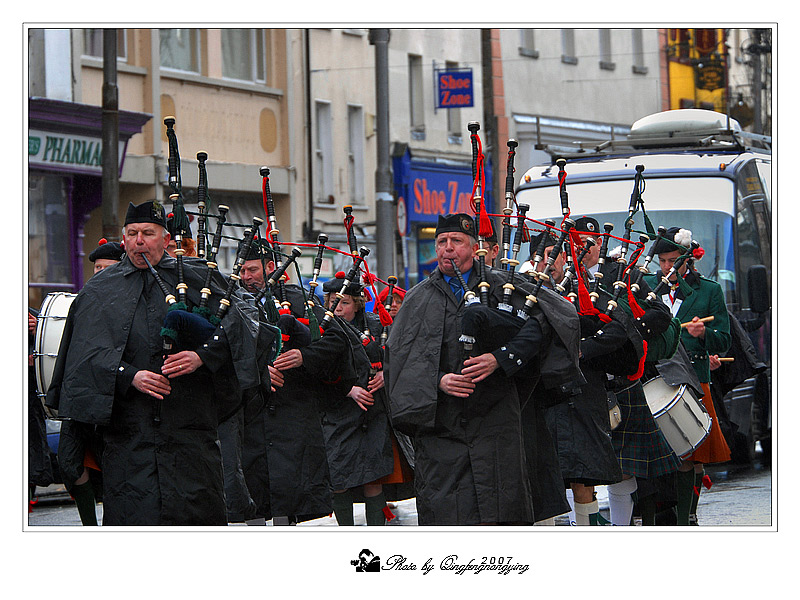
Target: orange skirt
{"x": 714, "y": 448}
{"x": 402, "y": 471}
{"x": 90, "y": 461}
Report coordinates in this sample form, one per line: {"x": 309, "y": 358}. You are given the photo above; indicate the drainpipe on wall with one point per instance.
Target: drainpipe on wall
{"x": 110, "y": 135}
{"x": 384, "y": 202}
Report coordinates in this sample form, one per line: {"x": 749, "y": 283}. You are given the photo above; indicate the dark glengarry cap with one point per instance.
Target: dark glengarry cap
{"x": 458, "y": 222}
{"x": 172, "y": 225}
{"x": 669, "y": 243}
{"x": 335, "y": 284}
{"x": 550, "y": 240}
{"x": 107, "y": 250}
{"x": 259, "y": 249}
{"x": 587, "y": 225}
{"x": 146, "y": 212}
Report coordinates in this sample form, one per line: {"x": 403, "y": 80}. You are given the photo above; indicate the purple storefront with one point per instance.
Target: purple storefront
{"x": 429, "y": 189}
{"x": 64, "y": 185}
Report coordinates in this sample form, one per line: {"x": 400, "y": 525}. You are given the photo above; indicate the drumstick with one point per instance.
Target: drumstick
{"x": 725, "y": 359}
{"x": 703, "y": 320}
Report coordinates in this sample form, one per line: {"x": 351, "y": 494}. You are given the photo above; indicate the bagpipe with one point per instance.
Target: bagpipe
{"x": 187, "y": 327}
{"x": 299, "y": 331}
{"x": 486, "y": 328}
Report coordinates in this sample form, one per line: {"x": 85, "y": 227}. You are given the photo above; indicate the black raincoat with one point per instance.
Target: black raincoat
{"x": 358, "y": 442}
{"x": 470, "y": 464}
{"x": 290, "y": 426}
{"x": 167, "y": 472}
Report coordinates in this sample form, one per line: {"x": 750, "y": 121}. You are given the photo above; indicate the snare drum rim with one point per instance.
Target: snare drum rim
{"x": 681, "y": 389}
{"x": 41, "y": 328}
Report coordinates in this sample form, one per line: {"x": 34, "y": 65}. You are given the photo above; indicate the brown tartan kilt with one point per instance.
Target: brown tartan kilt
{"x": 642, "y": 450}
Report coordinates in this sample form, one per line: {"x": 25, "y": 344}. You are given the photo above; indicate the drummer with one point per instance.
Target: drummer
{"x": 79, "y": 445}
{"x": 691, "y": 298}
{"x": 106, "y": 254}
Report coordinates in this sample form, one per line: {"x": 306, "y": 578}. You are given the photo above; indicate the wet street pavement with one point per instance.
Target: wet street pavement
{"x": 740, "y": 496}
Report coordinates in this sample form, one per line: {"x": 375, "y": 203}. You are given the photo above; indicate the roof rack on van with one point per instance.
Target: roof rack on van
{"x": 682, "y": 128}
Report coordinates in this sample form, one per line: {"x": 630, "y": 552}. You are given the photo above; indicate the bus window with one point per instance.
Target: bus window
{"x": 749, "y": 243}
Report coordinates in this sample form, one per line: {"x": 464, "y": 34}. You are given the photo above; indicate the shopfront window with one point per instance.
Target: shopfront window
{"x": 49, "y": 247}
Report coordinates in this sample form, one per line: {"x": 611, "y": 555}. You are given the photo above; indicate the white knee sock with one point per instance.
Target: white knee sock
{"x": 550, "y": 521}
{"x": 620, "y": 501}
{"x": 582, "y": 512}
{"x": 571, "y": 501}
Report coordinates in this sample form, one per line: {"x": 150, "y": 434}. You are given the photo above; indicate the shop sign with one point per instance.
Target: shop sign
{"x": 67, "y": 152}
{"x": 454, "y": 89}
{"x": 434, "y": 196}
{"x": 710, "y": 76}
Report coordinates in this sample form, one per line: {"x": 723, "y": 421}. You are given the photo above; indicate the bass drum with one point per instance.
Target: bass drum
{"x": 679, "y": 414}
{"x": 49, "y": 329}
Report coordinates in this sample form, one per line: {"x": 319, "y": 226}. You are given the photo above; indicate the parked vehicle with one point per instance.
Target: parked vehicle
{"x": 703, "y": 172}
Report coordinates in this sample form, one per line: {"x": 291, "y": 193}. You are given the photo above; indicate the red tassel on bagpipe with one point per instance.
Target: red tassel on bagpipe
{"x": 585, "y": 306}
{"x": 383, "y": 315}
{"x": 304, "y": 321}
{"x": 640, "y": 370}
{"x": 485, "y": 228}
{"x": 637, "y": 310}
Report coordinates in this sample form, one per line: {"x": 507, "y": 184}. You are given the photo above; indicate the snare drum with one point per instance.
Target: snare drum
{"x": 679, "y": 414}
{"x": 49, "y": 329}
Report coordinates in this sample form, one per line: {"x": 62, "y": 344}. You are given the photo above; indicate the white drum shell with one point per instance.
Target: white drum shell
{"x": 679, "y": 414}
{"x": 47, "y": 338}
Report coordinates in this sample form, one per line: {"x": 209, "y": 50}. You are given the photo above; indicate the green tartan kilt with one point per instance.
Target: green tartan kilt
{"x": 641, "y": 448}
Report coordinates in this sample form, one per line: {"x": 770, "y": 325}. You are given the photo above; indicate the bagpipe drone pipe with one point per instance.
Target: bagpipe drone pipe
{"x": 486, "y": 328}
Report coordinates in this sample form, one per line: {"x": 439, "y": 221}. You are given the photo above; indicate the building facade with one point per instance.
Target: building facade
{"x": 565, "y": 85}
{"x": 234, "y": 94}
{"x": 303, "y": 102}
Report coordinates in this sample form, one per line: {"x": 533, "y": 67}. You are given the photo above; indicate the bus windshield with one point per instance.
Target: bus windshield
{"x": 702, "y": 204}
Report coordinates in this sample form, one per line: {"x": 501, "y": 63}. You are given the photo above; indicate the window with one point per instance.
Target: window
{"x": 243, "y": 54}
{"x": 49, "y": 237}
{"x": 93, "y": 43}
{"x": 323, "y": 152}
{"x": 527, "y": 44}
{"x": 416, "y": 105}
{"x": 355, "y": 154}
{"x": 638, "y": 52}
{"x": 606, "y": 56}
{"x": 753, "y": 232}
{"x": 453, "y": 114}
{"x": 180, "y": 49}
{"x": 568, "y": 47}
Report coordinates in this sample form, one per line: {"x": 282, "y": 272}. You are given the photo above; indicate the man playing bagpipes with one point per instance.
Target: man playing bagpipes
{"x": 463, "y": 413}
{"x": 641, "y": 449}
{"x": 157, "y": 415}
{"x": 309, "y": 361}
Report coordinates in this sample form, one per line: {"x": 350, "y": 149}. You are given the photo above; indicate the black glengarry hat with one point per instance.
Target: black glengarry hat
{"x": 107, "y": 250}
{"x": 676, "y": 238}
{"x": 550, "y": 240}
{"x": 335, "y": 284}
{"x": 587, "y": 225}
{"x": 146, "y": 212}
{"x": 259, "y": 249}
{"x": 458, "y": 222}
{"x": 173, "y": 224}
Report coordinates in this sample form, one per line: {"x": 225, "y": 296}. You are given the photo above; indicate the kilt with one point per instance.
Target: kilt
{"x": 714, "y": 448}
{"x": 641, "y": 448}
